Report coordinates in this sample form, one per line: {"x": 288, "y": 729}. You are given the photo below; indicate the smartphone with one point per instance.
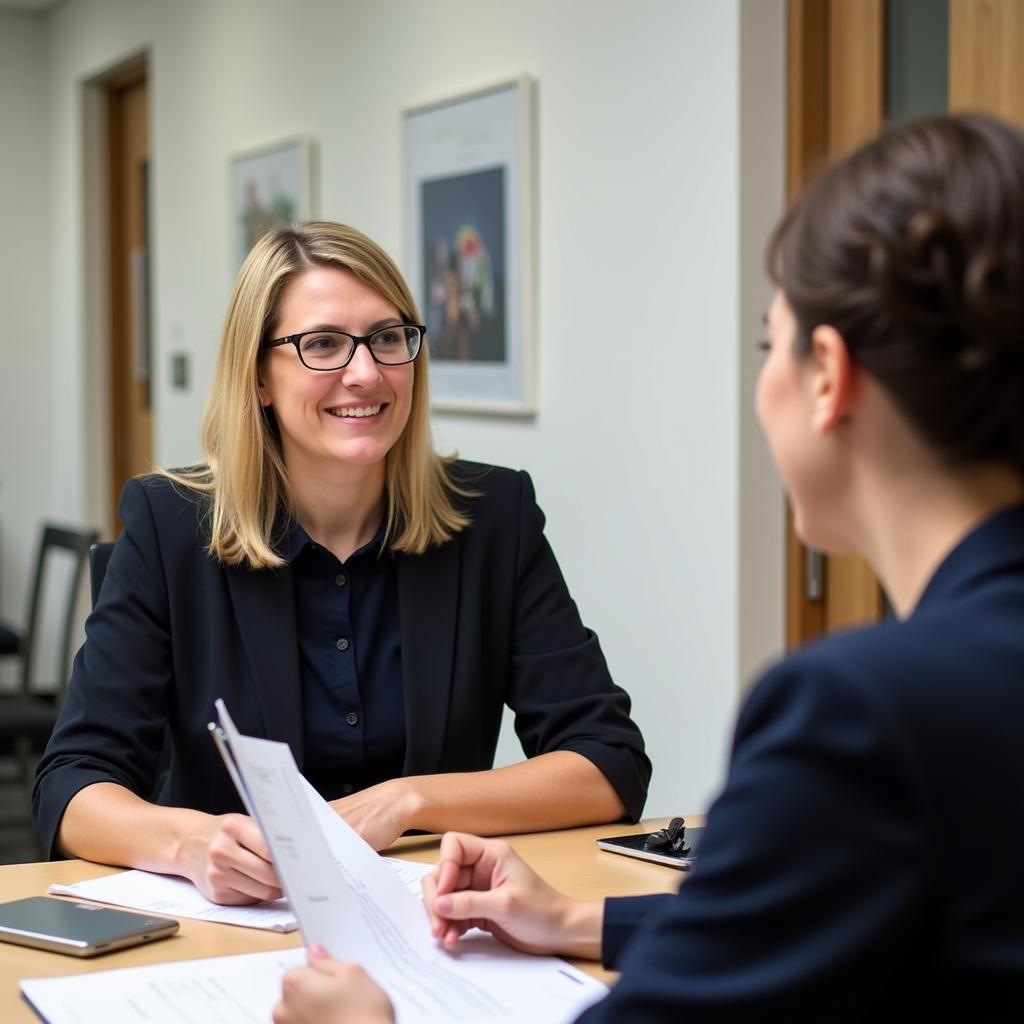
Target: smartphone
{"x": 633, "y": 846}
{"x": 78, "y": 929}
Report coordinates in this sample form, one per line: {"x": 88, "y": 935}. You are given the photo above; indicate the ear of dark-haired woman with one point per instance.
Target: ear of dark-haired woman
{"x": 833, "y": 379}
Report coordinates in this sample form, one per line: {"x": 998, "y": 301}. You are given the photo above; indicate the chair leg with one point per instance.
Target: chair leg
{"x": 26, "y": 759}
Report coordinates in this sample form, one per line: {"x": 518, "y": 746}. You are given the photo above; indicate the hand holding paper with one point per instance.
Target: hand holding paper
{"x": 327, "y": 991}
{"x": 351, "y": 904}
{"x": 228, "y": 860}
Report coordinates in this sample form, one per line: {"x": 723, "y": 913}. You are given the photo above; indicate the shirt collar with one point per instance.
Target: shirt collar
{"x": 296, "y": 539}
{"x": 994, "y": 545}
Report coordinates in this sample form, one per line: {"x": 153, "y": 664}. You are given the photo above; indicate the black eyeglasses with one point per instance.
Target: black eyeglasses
{"x": 331, "y": 350}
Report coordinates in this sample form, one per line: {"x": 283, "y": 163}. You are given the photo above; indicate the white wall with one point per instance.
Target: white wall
{"x": 660, "y": 506}
{"x": 29, "y": 353}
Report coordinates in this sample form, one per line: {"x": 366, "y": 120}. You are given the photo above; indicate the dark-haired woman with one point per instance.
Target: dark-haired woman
{"x": 864, "y": 861}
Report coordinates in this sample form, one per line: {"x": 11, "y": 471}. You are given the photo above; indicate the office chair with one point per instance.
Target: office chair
{"x": 28, "y": 716}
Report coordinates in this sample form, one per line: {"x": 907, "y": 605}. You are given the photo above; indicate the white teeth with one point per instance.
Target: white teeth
{"x": 362, "y": 410}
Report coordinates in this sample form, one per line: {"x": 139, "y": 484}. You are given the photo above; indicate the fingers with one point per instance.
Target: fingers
{"x": 467, "y": 861}
{"x": 329, "y": 991}
{"x": 238, "y": 868}
{"x": 471, "y": 904}
{"x": 247, "y": 833}
{"x": 460, "y": 893}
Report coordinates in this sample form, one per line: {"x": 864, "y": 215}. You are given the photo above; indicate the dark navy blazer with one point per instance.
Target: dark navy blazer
{"x": 485, "y": 619}
{"x": 865, "y": 860}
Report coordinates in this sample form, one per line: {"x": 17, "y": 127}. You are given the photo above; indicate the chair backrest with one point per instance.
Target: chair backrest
{"x": 77, "y": 543}
{"x": 99, "y": 556}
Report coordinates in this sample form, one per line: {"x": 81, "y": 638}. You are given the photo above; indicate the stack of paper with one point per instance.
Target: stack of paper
{"x": 177, "y": 897}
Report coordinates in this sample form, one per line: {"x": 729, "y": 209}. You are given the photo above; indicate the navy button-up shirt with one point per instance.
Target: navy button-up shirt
{"x": 350, "y": 663}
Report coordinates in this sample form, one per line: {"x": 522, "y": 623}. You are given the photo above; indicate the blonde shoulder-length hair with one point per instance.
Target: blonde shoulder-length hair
{"x": 244, "y": 479}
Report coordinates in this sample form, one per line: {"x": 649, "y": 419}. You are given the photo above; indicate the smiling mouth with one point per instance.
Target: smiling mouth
{"x": 355, "y": 411}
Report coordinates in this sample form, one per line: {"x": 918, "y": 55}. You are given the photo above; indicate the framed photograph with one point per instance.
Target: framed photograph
{"x": 270, "y": 186}
{"x": 470, "y": 245}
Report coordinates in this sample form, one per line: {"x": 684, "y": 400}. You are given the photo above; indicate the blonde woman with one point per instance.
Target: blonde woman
{"x": 346, "y": 590}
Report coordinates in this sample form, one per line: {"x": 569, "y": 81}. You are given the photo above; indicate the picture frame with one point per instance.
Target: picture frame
{"x": 271, "y": 185}
{"x": 470, "y": 244}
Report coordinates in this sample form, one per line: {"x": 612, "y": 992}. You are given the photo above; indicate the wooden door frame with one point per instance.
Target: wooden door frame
{"x": 836, "y": 99}
{"x": 119, "y": 285}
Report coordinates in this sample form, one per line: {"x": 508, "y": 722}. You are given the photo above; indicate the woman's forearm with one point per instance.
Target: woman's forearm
{"x": 557, "y": 790}
{"x": 107, "y": 823}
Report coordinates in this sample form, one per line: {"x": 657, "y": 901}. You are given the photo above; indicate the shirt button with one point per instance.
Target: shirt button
{"x": 342, "y": 644}
{"x": 352, "y": 718}
{"x": 340, "y": 579}
{"x": 347, "y": 788}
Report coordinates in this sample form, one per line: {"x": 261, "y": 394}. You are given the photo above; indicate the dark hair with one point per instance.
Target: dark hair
{"x": 913, "y": 249}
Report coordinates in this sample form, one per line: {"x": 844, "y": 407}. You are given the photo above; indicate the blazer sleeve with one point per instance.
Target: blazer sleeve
{"x": 786, "y": 915}
{"x": 560, "y": 690}
{"x": 623, "y": 915}
{"x": 112, "y": 724}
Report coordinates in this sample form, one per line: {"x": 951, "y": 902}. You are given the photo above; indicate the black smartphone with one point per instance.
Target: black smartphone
{"x": 633, "y": 846}
{"x": 78, "y": 929}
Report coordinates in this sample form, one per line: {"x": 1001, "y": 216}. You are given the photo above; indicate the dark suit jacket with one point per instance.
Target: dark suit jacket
{"x": 865, "y": 860}
{"x": 486, "y": 620}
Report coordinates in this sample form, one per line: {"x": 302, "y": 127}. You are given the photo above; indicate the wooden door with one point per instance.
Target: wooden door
{"x": 986, "y": 57}
{"x": 130, "y": 342}
{"x": 851, "y": 64}
{"x": 836, "y": 101}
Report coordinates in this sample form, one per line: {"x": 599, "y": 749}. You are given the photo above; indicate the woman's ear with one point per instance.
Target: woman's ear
{"x": 262, "y": 391}
{"x": 833, "y": 378}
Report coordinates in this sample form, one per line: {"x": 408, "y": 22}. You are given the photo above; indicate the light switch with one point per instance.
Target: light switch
{"x": 179, "y": 371}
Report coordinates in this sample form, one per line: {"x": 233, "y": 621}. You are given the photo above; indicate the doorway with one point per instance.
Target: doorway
{"x": 853, "y": 64}
{"x": 129, "y": 340}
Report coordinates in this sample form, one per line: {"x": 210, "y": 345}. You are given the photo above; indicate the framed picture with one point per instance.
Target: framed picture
{"x": 270, "y": 186}
{"x": 470, "y": 244}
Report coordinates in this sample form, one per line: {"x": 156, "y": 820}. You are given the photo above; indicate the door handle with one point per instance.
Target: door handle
{"x": 814, "y": 575}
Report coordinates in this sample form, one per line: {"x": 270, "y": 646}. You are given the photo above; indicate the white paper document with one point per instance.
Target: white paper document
{"x": 348, "y": 901}
{"x": 223, "y": 989}
{"x": 178, "y": 897}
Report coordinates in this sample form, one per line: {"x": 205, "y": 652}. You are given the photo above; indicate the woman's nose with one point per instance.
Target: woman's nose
{"x": 362, "y": 370}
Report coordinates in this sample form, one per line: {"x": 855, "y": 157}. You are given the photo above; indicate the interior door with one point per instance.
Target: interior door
{"x": 836, "y": 101}
{"x": 852, "y": 65}
{"x": 130, "y": 330}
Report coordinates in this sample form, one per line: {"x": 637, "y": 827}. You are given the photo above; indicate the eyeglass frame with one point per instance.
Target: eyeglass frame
{"x": 357, "y": 340}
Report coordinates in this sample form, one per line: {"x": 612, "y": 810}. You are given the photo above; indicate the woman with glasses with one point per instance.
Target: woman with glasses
{"x": 863, "y": 862}
{"x": 346, "y": 590}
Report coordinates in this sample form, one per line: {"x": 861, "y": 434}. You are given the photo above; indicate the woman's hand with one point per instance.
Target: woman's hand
{"x": 381, "y": 813}
{"x": 483, "y": 883}
{"x": 227, "y": 858}
{"x": 327, "y": 992}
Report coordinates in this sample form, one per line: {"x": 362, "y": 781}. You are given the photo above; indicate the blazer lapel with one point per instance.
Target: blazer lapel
{"x": 428, "y": 598}
{"x": 264, "y": 604}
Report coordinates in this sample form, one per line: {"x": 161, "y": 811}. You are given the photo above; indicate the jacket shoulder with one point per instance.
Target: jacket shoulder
{"x": 171, "y": 505}
{"x": 486, "y": 490}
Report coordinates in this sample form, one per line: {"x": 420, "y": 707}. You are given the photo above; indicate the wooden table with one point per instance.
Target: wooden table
{"x": 568, "y": 859}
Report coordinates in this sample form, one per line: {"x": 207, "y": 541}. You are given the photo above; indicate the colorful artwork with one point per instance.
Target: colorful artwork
{"x": 271, "y": 186}
{"x": 464, "y": 264}
{"x": 470, "y": 249}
